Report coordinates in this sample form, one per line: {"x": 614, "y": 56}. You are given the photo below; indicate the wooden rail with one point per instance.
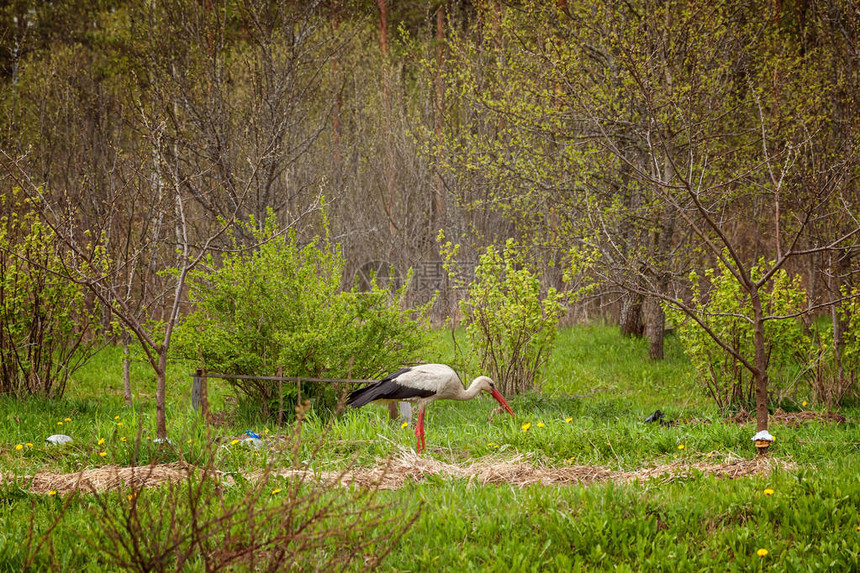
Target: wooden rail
{"x": 199, "y": 394}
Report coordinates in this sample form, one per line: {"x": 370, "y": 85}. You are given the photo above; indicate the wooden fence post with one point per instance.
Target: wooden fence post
{"x": 200, "y": 393}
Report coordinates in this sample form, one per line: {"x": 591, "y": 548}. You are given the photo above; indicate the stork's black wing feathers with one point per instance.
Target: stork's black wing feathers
{"x": 386, "y": 389}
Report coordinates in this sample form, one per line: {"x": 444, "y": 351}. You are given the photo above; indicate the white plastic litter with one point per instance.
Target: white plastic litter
{"x": 59, "y": 439}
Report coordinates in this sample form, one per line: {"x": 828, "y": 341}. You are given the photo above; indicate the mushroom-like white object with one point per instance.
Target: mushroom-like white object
{"x": 764, "y": 435}
{"x": 762, "y": 440}
{"x": 58, "y": 439}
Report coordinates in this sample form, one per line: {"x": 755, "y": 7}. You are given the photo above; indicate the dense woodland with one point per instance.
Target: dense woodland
{"x": 623, "y": 144}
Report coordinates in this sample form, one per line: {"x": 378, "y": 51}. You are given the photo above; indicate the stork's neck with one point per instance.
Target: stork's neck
{"x": 473, "y": 390}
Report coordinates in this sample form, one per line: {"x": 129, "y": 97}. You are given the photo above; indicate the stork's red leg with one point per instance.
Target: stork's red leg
{"x": 419, "y": 432}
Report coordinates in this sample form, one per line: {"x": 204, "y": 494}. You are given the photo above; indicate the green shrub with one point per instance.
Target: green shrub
{"x": 509, "y": 327}
{"x": 279, "y": 309}
{"x": 46, "y": 323}
{"x": 726, "y": 309}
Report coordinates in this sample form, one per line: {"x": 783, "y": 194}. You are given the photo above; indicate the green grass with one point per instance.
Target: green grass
{"x": 598, "y": 389}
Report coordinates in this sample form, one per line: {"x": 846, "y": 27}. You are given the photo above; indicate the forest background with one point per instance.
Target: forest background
{"x": 632, "y": 147}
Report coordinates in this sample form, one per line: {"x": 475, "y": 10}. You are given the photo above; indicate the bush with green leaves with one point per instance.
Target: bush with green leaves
{"x": 510, "y": 328}
{"x": 279, "y": 309}
{"x": 725, "y": 309}
{"x": 48, "y": 326}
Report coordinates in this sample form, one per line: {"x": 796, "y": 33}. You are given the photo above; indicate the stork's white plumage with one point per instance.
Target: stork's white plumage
{"x": 424, "y": 384}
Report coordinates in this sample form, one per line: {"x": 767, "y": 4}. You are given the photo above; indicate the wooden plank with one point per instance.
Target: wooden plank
{"x": 287, "y": 378}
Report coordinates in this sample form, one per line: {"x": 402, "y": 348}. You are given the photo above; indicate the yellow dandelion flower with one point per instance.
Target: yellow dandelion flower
{"x": 100, "y": 442}
{"x": 803, "y": 403}
{"x": 190, "y": 441}
{"x": 709, "y": 455}
{"x": 768, "y": 491}
{"x": 59, "y": 423}
{"x": 116, "y": 417}
{"x": 67, "y": 419}
{"x": 52, "y": 492}
{"x": 681, "y": 446}
{"x": 568, "y": 420}
{"x": 131, "y": 496}
{"x": 403, "y": 425}
{"x": 761, "y": 552}
{"x": 541, "y": 425}
{"x": 490, "y": 444}
{"x": 276, "y": 491}
{"x": 234, "y": 442}
{"x": 526, "y": 426}
{"x": 29, "y": 445}
{"x": 102, "y": 454}
{"x": 122, "y": 439}
{"x": 266, "y": 431}
{"x": 19, "y": 447}
{"x": 119, "y": 424}
{"x": 858, "y": 528}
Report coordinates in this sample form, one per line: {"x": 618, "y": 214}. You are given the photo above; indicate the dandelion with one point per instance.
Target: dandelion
{"x": 100, "y": 442}
{"x": 803, "y": 403}
{"x": 59, "y": 423}
{"x": 131, "y": 496}
{"x": 681, "y": 446}
{"x": 19, "y": 447}
{"x": 119, "y": 424}
{"x": 29, "y": 445}
{"x": 116, "y": 417}
{"x": 190, "y": 441}
{"x": 276, "y": 491}
{"x": 709, "y": 455}
{"x": 266, "y": 431}
{"x": 234, "y": 442}
{"x": 102, "y": 454}
{"x": 761, "y": 552}
{"x": 52, "y": 492}
{"x": 541, "y": 425}
{"x": 526, "y": 426}
{"x": 122, "y": 439}
{"x": 67, "y": 419}
{"x": 768, "y": 491}
{"x": 403, "y": 425}
{"x": 568, "y": 420}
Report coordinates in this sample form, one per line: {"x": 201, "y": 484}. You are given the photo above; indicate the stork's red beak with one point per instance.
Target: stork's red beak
{"x": 495, "y": 394}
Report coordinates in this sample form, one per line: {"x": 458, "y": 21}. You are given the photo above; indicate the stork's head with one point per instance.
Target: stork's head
{"x": 487, "y": 385}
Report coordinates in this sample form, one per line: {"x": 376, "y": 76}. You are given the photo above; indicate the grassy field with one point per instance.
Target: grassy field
{"x": 475, "y": 502}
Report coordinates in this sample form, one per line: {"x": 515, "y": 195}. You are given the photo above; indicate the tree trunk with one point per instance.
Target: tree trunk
{"x": 760, "y": 377}
{"x": 126, "y": 369}
{"x": 631, "y": 315}
{"x": 655, "y": 328}
{"x": 160, "y": 413}
{"x": 439, "y": 198}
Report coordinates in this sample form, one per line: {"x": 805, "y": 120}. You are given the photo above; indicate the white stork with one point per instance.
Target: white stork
{"x": 424, "y": 384}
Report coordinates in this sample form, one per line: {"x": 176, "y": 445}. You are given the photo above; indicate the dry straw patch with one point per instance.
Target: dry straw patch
{"x": 106, "y": 478}
{"x": 407, "y": 466}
